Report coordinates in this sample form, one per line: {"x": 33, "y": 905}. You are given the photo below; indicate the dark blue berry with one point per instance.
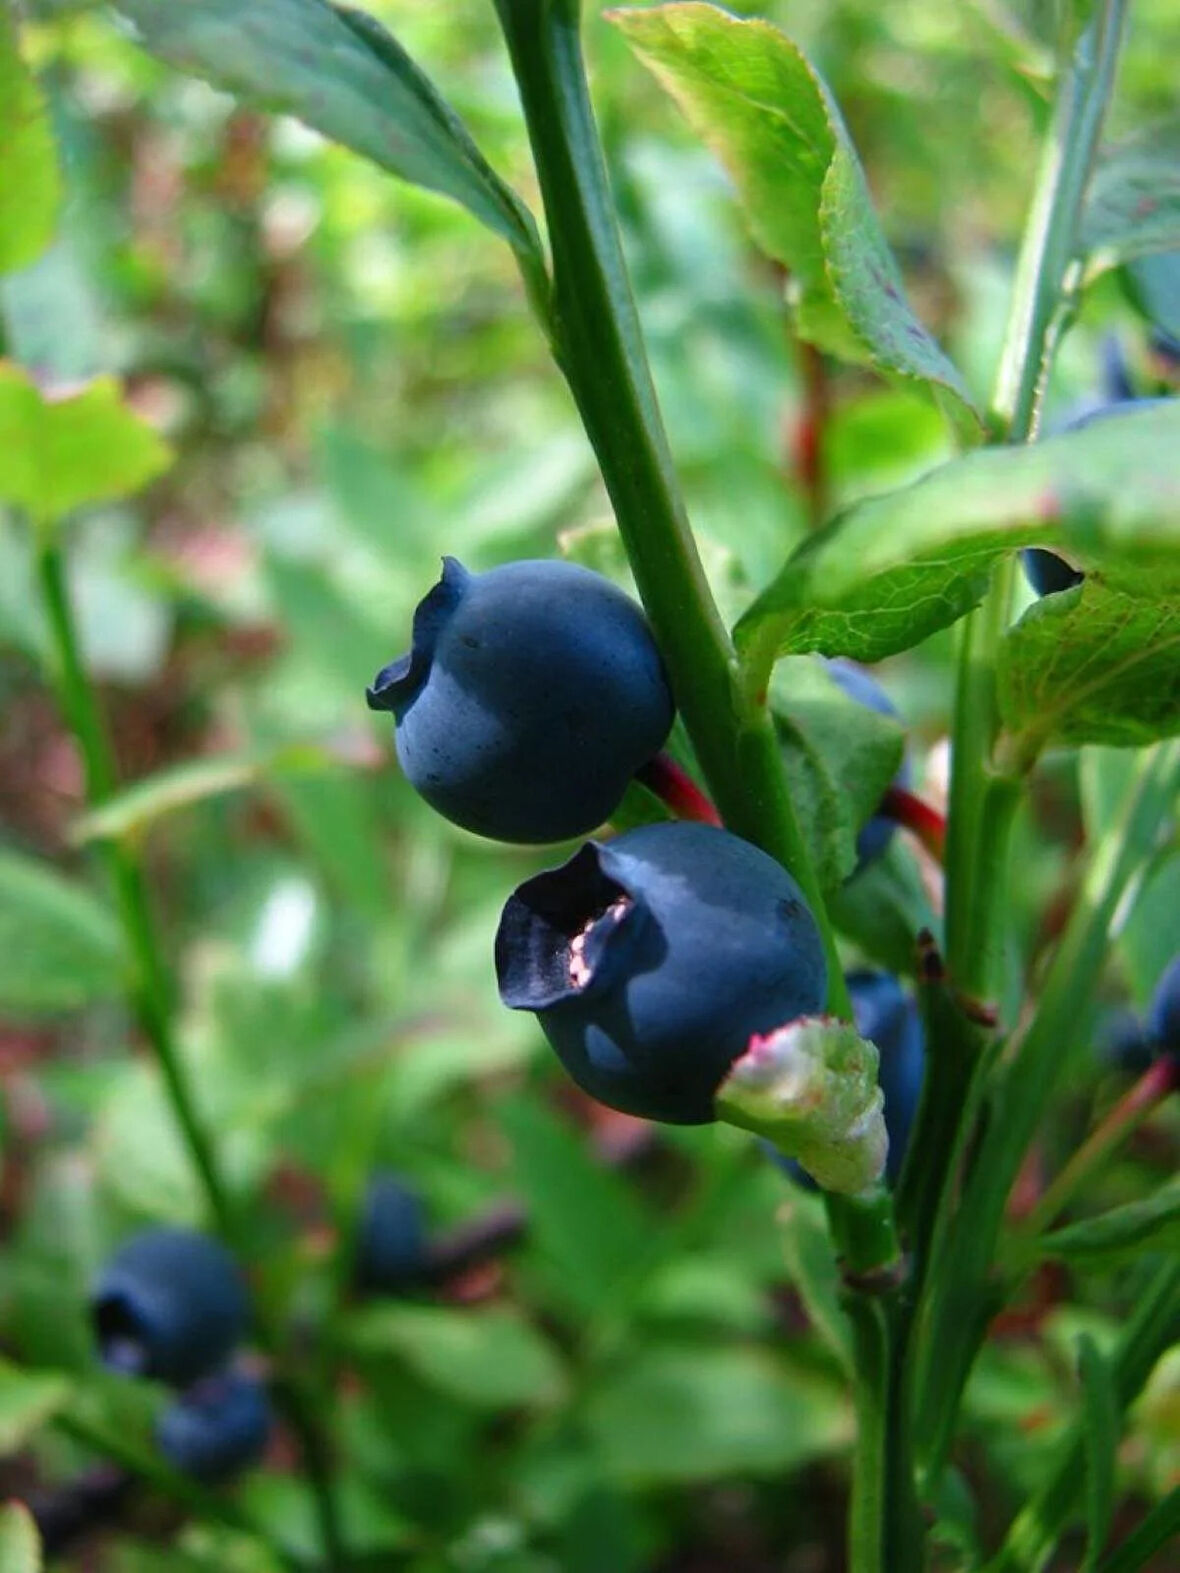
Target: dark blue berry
{"x": 529, "y": 698}
{"x": 887, "y": 1016}
{"x": 1123, "y": 1043}
{"x": 391, "y": 1242}
{"x": 1163, "y": 1014}
{"x": 651, "y": 960}
{"x": 217, "y": 1428}
{"x": 1047, "y": 573}
{"x": 876, "y": 834}
{"x": 170, "y": 1304}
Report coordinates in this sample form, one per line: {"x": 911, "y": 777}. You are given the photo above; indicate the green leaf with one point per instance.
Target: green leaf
{"x": 489, "y": 1359}
{"x": 811, "y": 1261}
{"x": 1133, "y": 204}
{"x": 1101, "y": 1415}
{"x": 677, "y": 1414}
{"x": 31, "y": 189}
{"x": 893, "y": 569}
{"x": 140, "y": 805}
{"x": 60, "y": 451}
{"x": 1090, "y": 665}
{"x": 840, "y": 756}
{"x": 20, "y": 1544}
{"x": 584, "y": 1223}
{"x": 59, "y": 948}
{"x": 1152, "y": 1224}
{"x": 27, "y": 1400}
{"x": 883, "y": 908}
{"x": 759, "y": 103}
{"x": 1153, "y": 283}
{"x": 340, "y": 72}
{"x": 1154, "y": 1533}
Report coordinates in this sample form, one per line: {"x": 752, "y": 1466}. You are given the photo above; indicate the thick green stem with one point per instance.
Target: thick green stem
{"x": 885, "y": 1530}
{"x": 1153, "y": 1326}
{"x": 152, "y": 996}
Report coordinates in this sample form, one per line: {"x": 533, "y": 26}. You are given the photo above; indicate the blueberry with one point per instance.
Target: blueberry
{"x": 217, "y": 1428}
{"x": 170, "y": 1304}
{"x": 876, "y": 834}
{"x": 1047, "y": 573}
{"x": 1123, "y": 1044}
{"x": 529, "y": 698}
{"x": 391, "y": 1237}
{"x": 887, "y": 1016}
{"x": 1163, "y": 1014}
{"x": 652, "y": 959}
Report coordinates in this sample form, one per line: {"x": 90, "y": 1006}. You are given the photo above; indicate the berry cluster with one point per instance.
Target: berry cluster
{"x": 171, "y": 1305}
{"x": 530, "y": 697}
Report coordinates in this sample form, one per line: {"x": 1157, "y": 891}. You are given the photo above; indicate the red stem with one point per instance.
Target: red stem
{"x": 676, "y": 788}
{"x": 920, "y": 818}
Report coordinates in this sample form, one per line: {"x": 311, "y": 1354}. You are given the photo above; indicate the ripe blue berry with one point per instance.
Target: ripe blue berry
{"x": 876, "y": 834}
{"x": 391, "y": 1237}
{"x": 651, "y": 960}
{"x": 1163, "y": 1014}
{"x": 170, "y": 1304}
{"x": 887, "y": 1016}
{"x": 1123, "y": 1043}
{"x": 530, "y": 696}
{"x": 1047, "y": 573}
{"x": 217, "y": 1428}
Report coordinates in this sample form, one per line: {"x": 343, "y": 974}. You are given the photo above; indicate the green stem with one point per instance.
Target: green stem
{"x": 885, "y": 1525}
{"x": 1153, "y": 1326}
{"x": 597, "y": 342}
{"x": 152, "y": 996}
{"x": 963, "y": 1292}
{"x": 151, "y": 991}
{"x": 1160, "y": 1528}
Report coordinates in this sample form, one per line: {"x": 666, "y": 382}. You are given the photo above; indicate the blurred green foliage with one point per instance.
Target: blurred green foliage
{"x": 349, "y": 378}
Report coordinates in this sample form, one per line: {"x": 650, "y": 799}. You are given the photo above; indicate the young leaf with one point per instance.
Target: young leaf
{"x": 58, "y": 452}
{"x": 893, "y": 569}
{"x": 20, "y": 1544}
{"x": 1090, "y": 665}
{"x": 763, "y": 108}
{"x": 1101, "y": 1412}
{"x": 59, "y": 948}
{"x": 27, "y": 1400}
{"x": 339, "y": 71}
{"x": 1133, "y": 204}
{"x": 1152, "y": 1224}
{"x": 31, "y": 188}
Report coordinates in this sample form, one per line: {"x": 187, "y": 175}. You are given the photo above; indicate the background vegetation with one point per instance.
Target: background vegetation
{"x": 351, "y": 385}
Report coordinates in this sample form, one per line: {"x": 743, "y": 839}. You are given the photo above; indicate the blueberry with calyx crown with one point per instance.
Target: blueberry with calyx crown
{"x": 530, "y": 696}
{"x": 650, "y": 961}
{"x": 170, "y": 1304}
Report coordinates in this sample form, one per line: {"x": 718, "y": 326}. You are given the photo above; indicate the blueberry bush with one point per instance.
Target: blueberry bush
{"x": 780, "y": 1170}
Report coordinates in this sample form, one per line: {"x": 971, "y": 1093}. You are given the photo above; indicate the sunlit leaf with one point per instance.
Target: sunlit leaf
{"x": 59, "y": 947}
{"x": 31, "y": 188}
{"x": 84, "y": 446}
{"x": 27, "y": 1400}
{"x": 893, "y": 569}
{"x": 339, "y": 71}
{"x": 761, "y": 105}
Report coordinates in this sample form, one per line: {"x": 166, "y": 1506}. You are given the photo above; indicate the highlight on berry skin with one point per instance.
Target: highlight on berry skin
{"x": 530, "y": 696}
